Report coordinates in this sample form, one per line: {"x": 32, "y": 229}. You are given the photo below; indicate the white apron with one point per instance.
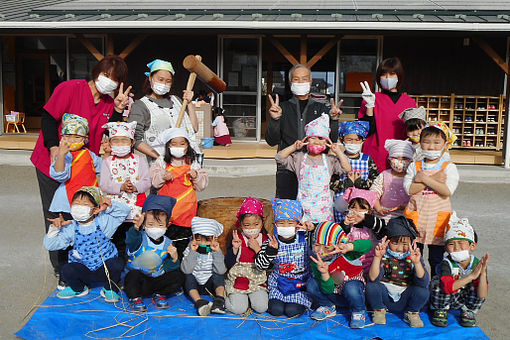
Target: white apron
{"x": 121, "y": 170}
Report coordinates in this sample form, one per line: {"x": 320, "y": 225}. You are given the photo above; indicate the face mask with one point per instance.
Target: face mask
{"x": 352, "y": 148}
{"x": 121, "y": 150}
{"x": 300, "y": 89}
{"x": 155, "y": 233}
{"x": 389, "y": 83}
{"x": 178, "y": 152}
{"x": 431, "y": 154}
{"x": 399, "y": 165}
{"x": 316, "y": 149}
{"x": 286, "y": 232}
{"x": 397, "y": 255}
{"x": 160, "y": 89}
{"x": 414, "y": 139}
{"x": 251, "y": 233}
{"x": 76, "y": 146}
{"x": 105, "y": 85}
{"x": 203, "y": 249}
{"x": 460, "y": 256}
{"x": 80, "y": 213}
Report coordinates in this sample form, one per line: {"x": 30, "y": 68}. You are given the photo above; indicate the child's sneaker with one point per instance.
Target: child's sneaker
{"x": 218, "y": 305}
{"x": 160, "y": 301}
{"x": 61, "y": 284}
{"x": 323, "y": 312}
{"x": 69, "y": 293}
{"x": 413, "y": 319}
{"x": 203, "y": 307}
{"x": 109, "y": 295}
{"x": 357, "y": 320}
{"x": 138, "y": 305}
{"x": 440, "y": 318}
{"x": 467, "y": 318}
{"x": 379, "y": 317}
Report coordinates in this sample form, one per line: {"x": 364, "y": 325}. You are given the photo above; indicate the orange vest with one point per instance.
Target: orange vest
{"x": 83, "y": 173}
{"x": 181, "y": 188}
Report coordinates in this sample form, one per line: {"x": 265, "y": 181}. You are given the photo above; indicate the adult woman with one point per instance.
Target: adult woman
{"x": 159, "y": 110}
{"x": 91, "y": 100}
{"x": 381, "y": 110}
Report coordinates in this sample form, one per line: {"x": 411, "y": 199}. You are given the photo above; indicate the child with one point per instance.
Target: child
{"x": 289, "y": 252}
{"x": 75, "y": 165}
{"x": 221, "y": 134}
{"x": 314, "y": 169}
{"x": 398, "y": 278}
{"x": 124, "y": 177}
{"x": 204, "y": 267}
{"x": 153, "y": 262}
{"x": 246, "y": 281}
{"x": 337, "y": 273}
{"x": 95, "y": 220}
{"x": 363, "y": 168}
{"x": 415, "y": 120}
{"x": 430, "y": 183}
{"x": 462, "y": 278}
{"x": 389, "y": 185}
{"x": 175, "y": 176}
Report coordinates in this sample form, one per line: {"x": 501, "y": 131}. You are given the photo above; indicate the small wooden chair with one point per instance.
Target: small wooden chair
{"x": 15, "y": 120}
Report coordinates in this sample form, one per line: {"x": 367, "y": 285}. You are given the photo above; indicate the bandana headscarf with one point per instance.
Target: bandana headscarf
{"x": 206, "y": 226}
{"x": 159, "y": 64}
{"x": 159, "y": 202}
{"x": 352, "y": 193}
{"x": 329, "y": 233}
{"x": 414, "y": 112}
{"x": 459, "y": 229}
{"x": 400, "y": 226}
{"x": 318, "y": 127}
{"x": 359, "y": 127}
{"x": 286, "y": 209}
{"x": 399, "y": 148}
{"x": 74, "y": 125}
{"x": 121, "y": 129}
{"x": 450, "y": 136}
{"x": 95, "y": 192}
{"x": 250, "y": 206}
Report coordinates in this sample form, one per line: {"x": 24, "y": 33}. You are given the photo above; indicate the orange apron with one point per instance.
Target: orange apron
{"x": 429, "y": 211}
{"x": 83, "y": 173}
{"x": 181, "y": 188}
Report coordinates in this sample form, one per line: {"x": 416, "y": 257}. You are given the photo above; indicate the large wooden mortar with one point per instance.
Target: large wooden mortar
{"x": 224, "y": 210}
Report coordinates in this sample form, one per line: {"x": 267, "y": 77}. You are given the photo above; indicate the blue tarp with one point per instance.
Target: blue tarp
{"x": 91, "y": 317}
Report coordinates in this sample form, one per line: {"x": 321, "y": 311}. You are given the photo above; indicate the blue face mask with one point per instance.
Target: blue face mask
{"x": 397, "y": 255}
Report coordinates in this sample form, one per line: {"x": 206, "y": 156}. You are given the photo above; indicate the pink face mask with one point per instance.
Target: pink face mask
{"x": 316, "y": 149}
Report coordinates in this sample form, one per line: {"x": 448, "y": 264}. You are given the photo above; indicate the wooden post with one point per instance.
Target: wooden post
{"x": 491, "y": 53}
{"x": 303, "y": 55}
{"x": 322, "y": 52}
{"x": 132, "y": 45}
{"x": 283, "y": 51}
{"x": 110, "y": 50}
{"x": 91, "y": 48}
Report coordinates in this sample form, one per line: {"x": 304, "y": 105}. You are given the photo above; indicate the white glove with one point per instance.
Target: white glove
{"x": 367, "y": 95}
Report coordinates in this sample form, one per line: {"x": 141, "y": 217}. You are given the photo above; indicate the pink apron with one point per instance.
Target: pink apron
{"x": 394, "y": 195}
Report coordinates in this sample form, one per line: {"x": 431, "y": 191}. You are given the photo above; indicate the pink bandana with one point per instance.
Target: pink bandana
{"x": 352, "y": 193}
{"x": 250, "y": 206}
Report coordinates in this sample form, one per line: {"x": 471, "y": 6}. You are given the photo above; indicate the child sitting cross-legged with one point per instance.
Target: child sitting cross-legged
{"x": 398, "y": 278}
{"x": 153, "y": 261}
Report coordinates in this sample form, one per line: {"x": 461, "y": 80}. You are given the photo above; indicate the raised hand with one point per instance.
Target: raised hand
{"x": 273, "y": 242}
{"x": 342, "y": 248}
{"x": 172, "y": 251}
{"x": 192, "y": 173}
{"x": 138, "y": 221}
{"x": 254, "y": 245}
{"x": 59, "y": 222}
{"x": 415, "y": 253}
{"x": 335, "y": 110}
{"x": 306, "y": 225}
{"x": 168, "y": 176}
{"x": 322, "y": 267}
{"x": 275, "y": 110}
{"x": 236, "y": 241}
{"x": 193, "y": 244}
{"x": 300, "y": 143}
{"x": 107, "y": 148}
{"x": 63, "y": 147}
{"x": 380, "y": 249}
{"x": 122, "y": 99}
{"x": 335, "y": 148}
{"x": 104, "y": 203}
{"x": 215, "y": 246}
{"x": 367, "y": 95}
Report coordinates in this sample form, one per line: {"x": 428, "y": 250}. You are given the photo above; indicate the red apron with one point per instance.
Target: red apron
{"x": 83, "y": 173}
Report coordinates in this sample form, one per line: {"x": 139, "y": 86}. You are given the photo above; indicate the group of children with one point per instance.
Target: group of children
{"x": 359, "y": 246}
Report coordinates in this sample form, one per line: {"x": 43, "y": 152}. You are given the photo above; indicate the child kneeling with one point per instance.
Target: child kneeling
{"x": 203, "y": 264}
{"x": 398, "y": 278}
{"x": 153, "y": 261}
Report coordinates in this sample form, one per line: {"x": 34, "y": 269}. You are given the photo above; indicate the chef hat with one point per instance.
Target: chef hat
{"x": 399, "y": 148}
{"x": 159, "y": 64}
{"x": 359, "y": 127}
{"x": 167, "y": 135}
{"x": 459, "y": 229}
{"x": 329, "y": 233}
{"x": 284, "y": 209}
{"x": 414, "y": 112}
{"x": 121, "y": 129}
{"x": 206, "y": 226}
{"x": 74, "y": 125}
{"x": 352, "y": 193}
{"x": 318, "y": 127}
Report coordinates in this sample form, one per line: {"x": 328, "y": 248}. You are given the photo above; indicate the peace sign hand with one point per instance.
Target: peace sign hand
{"x": 367, "y": 95}
{"x": 236, "y": 241}
{"x": 122, "y": 99}
{"x": 380, "y": 249}
{"x": 138, "y": 221}
{"x": 322, "y": 267}
{"x": 275, "y": 110}
{"x": 415, "y": 253}
{"x": 335, "y": 148}
{"x": 59, "y": 222}
{"x": 335, "y": 110}
{"x": 215, "y": 246}
{"x": 273, "y": 242}
{"x": 300, "y": 143}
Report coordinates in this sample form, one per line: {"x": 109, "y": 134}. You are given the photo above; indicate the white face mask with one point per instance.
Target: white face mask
{"x": 460, "y": 256}
{"x": 178, "y": 152}
{"x": 121, "y": 150}
{"x": 251, "y": 233}
{"x": 353, "y": 149}
{"x": 155, "y": 233}
{"x": 105, "y": 85}
{"x": 389, "y": 83}
{"x": 300, "y": 89}
{"x": 160, "y": 89}
{"x": 81, "y": 213}
{"x": 431, "y": 154}
{"x": 286, "y": 232}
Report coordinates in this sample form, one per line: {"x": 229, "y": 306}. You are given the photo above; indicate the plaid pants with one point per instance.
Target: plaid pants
{"x": 465, "y": 298}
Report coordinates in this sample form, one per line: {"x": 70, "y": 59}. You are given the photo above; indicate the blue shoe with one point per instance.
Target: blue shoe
{"x": 357, "y": 320}
{"x": 109, "y": 295}
{"x": 323, "y": 312}
{"x": 160, "y": 301}
{"x": 69, "y": 293}
{"x": 138, "y": 305}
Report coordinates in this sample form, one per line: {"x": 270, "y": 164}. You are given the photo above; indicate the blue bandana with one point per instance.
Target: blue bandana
{"x": 359, "y": 127}
{"x": 286, "y": 209}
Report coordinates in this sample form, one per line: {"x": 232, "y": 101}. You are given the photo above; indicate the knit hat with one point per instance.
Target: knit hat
{"x": 166, "y": 135}
{"x": 399, "y": 148}
{"x": 450, "y": 136}
{"x": 95, "y": 192}
{"x": 160, "y": 202}
{"x": 318, "y": 127}
{"x": 329, "y": 233}
{"x": 459, "y": 229}
{"x": 74, "y": 125}
{"x": 414, "y": 112}
{"x": 159, "y": 64}
{"x": 284, "y": 209}
{"x": 206, "y": 226}
{"x": 359, "y": 127}
{"x": 121, "y": 129}
{"x": 401, "y": 226}
{"x": 250, "y": 206}
{"x": 352, "y": 193}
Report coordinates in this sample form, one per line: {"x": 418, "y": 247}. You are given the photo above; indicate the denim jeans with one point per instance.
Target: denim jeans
{"x": 412, "y": 299}
{"x": 353, "y": 295}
